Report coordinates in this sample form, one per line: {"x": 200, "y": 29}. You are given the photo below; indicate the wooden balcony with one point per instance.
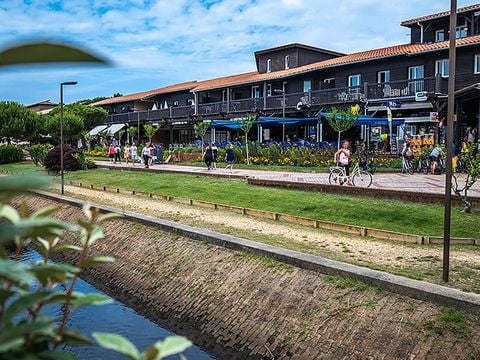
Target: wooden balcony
{"x": 403, "y": 89}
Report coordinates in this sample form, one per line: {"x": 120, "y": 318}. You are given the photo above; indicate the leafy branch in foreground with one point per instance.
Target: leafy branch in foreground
{"x": 26, "y": 289}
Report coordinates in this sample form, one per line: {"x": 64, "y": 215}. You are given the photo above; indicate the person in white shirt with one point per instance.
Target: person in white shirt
{"x": 133, "y": 154}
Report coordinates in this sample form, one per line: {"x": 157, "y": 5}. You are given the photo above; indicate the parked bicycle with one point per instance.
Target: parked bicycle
{"x": 357, "y": 176}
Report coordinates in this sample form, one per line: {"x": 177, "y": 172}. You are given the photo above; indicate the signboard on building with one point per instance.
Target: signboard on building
{"x": 421, "y": 96}
{"x": 434, "y": 116}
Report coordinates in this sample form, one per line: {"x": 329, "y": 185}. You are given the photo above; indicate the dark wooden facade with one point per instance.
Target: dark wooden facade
{"x": 328, "y": 86}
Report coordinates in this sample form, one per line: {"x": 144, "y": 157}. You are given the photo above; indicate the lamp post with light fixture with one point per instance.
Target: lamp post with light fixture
{"x": 66, "y": 83}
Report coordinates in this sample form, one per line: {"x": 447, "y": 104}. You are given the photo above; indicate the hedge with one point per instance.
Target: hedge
{"x": 10, "y": 154}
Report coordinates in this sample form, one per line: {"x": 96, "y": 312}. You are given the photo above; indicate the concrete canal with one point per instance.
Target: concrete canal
{"x": 115, "y": 318}
{"x": 242, "y": 306}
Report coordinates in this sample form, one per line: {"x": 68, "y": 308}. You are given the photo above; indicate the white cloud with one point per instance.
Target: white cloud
{"x": 169, "y": 41}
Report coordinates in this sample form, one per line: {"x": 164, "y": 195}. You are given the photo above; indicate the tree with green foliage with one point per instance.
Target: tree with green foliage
{"x": 19, "y": 122}
{"x": 73, "y": 126}
{"x": 246, "y": 124}
{"x": 200, "y": 130}
{"x": 91, "y": 116}
{"x": 150, "y": 130}
{"x": 133, "y": 131}
{"x": 342, "y": 120}
{"x": 462, "y": 184}
{"x": 38, "y": 152}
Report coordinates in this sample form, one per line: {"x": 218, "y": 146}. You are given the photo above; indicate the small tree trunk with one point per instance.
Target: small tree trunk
{"x": 246, "y": 147}
{"x": 202, "y": 146}
{"x": 339, "y": 134}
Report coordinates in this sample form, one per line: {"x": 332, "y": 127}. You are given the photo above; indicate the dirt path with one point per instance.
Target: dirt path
{"x": 419, "y": 261}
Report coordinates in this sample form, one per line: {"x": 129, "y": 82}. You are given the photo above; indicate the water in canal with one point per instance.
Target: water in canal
{"x": 116, "y": 318}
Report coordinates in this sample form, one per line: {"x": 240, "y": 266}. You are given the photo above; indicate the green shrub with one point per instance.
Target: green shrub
{"x": 38, "y": 152}
{"x": 10, "y": 154}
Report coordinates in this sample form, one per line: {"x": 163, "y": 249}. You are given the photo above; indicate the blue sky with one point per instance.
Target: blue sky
{"x": 153, "y": 43}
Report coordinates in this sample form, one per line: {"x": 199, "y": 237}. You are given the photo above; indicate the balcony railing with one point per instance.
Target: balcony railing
{"x": 353, "y": 94}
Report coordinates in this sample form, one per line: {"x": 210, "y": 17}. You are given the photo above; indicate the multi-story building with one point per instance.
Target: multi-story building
{"x": 302, "y": 82}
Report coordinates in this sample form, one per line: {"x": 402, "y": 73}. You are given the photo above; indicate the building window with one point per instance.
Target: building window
{"x": 441, "y": 67}
{"x": 224, "y": 95}
{"x": 461, "y": 31}
{"x": 354, "y": 80}
{"x": 269, "y": 90}
{"x": 415, "y": 73}
{"x": 383, "y": 76}
{"x": 269, "y": 65}
{"x": 255, "y": 92}
{"x": 307, "y": 86}
{"x": 287, "y": 61}
{"x": 175, "y": 103}
{"x": 476, "y": 68}
{"x": 439, "y": 35}
{"x": 190, "y": 102}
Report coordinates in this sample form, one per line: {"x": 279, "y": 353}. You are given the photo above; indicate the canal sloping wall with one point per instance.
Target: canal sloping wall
{"x": 238, "y": 305}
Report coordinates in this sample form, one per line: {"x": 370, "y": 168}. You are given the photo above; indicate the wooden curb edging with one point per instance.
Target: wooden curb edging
{"x": 404, "y": 286}
{"x": 291, "y": 219}
{"x": 387, "y": 194}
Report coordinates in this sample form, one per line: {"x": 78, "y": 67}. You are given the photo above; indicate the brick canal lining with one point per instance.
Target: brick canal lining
{"x": 239, "y": 305}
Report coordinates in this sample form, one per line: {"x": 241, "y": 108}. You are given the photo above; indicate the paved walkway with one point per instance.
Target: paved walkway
{"x": 397, "y": 181}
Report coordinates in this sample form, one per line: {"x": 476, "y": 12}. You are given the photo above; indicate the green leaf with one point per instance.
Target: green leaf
{"x": 57, "y": 355}
{"x": 53, "y": 273}
{"x": 31, "y": 228}
{"x": 98, "y": 260}
{"x": 96, "y": 234}
{"x": 5, "y": 295}
{"x": 172, "y": 345}
{"x": 9, "y": 213}
{"x": 41, "y": 326}
{"x": 46, "y": 52}
{"x": 42, "y": 246}
{"x": 81, "y": 300}
{"x": 63, "y": 248}
{"x": 45, "y": 211}
{"x": 15, "y": 184}
{"x": 16, "y": 272}
{"x": 108, "y": 217}
{"x": 72, "y": 337}
{"x": 22, "y": 303}
{"x": 117, "y": 343}
{"x": 12, "y": 344}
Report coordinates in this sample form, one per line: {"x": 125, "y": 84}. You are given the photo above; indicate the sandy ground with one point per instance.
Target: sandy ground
{"x": 334, "y": 245}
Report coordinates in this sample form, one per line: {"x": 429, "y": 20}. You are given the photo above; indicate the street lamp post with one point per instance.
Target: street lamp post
{"x": 61, "y": 130}
{"x": 283, "y": 112}
{"x": 452, "y": 59}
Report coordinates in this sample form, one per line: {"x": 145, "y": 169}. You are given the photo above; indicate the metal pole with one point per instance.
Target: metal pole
{"x": 283, "y": 116}
{"x": 138, "y": 130}
{"x": 62, "y": 191}
{"x": 449, "y": 141}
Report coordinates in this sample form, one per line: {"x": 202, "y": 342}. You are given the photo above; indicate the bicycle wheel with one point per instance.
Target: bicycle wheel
{"x": 362, "y": 178}
{"x": 334, "y": 178}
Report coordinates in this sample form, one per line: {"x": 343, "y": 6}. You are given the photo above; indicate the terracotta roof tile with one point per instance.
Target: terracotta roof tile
{"x": 189, "y": 85}
{"x": 439, "y": 15}
{"x": 404, "y": 49}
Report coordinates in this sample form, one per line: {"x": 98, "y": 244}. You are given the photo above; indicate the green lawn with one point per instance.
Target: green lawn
{"x": 382, "y": 214}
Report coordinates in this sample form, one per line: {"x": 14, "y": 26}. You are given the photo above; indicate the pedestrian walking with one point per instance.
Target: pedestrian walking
{"x": 208, "y": 156}
{"x": 117, "y": 153}
{"x": 152, "y": 152}
{"x": 133, "y": 154}
{"x": 111, "y": 152}
{"x": 230, "y": 157}
{"x": 127, "y": 154}
{"x": 146, "y": 154}
{"x": 214, "y": 156}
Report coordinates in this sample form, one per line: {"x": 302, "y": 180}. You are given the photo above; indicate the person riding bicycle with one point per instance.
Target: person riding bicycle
{"x": 342, "y": 156}
{"x": 435, "y": 156}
